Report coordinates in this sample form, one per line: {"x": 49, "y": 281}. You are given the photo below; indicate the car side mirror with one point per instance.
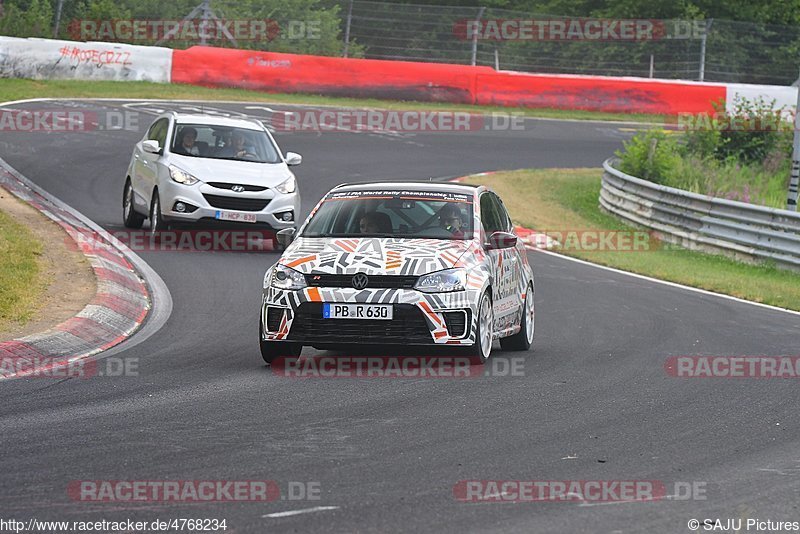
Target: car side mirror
{"x": 151, "y": 146}
{"x": 501, "y": 240}
{"x": 286, "y": 236}
{"x": 293, "y": 158}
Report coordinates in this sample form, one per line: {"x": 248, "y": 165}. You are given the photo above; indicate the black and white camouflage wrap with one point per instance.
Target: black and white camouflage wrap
{"x": 504, "y": 272}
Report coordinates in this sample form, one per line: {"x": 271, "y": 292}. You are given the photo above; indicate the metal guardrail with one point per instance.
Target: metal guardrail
{"x": 744, "y": 231}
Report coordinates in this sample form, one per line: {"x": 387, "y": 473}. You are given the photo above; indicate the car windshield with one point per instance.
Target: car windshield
{"x": 223, "y": 142}
{"x": 393, "y": 213}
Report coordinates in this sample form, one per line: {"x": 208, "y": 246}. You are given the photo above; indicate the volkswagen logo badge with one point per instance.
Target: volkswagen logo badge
{"x": 237, "y": 188}
{"x": 360, "y": 281}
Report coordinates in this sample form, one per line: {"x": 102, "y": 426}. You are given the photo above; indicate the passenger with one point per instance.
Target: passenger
{"x": 375, "y": 222}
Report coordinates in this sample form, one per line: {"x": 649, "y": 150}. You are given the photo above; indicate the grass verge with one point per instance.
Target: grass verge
{"x": 18, "y": 89}
{"x": 566, "y": 200}
{"x": 21, "y": 280}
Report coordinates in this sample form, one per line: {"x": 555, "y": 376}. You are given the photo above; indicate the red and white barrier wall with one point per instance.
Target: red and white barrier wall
{"x": 401, "y": 80}
{"x": 435, "y": 82}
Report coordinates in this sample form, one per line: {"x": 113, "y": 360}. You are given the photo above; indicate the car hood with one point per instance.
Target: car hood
{"x": 374, "y": 256}
{"x": 232, "y": 171}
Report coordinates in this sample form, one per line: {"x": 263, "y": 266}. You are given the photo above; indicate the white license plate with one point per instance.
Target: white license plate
{"x": 381, "y": 312}
{"x": 234, "y": 216}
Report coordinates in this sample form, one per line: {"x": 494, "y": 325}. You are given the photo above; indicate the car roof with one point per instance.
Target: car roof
{"x": 215, "y": 120}
{"x": 426, "y": 185}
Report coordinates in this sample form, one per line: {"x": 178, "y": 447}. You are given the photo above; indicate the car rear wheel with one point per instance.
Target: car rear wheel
{"x": 523, "y": 339}
{"x": 130, "y": 218}
{"x": 482, "y": 349}
{"x": 272, "y": 350}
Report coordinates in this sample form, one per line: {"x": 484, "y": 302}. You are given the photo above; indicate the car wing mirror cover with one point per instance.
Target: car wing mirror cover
{"x": 151, "y": 146}
{"x": 293, "y": 158}
{"x": 501, "y": 240}
{"x": 286, "y": 236}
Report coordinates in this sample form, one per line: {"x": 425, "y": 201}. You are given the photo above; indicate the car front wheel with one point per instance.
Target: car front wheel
{"x": 272, "y": 350}
{"x": 157, "y": 223}
{"x": 130, "y": 218}
{"x": 482, "y": 348}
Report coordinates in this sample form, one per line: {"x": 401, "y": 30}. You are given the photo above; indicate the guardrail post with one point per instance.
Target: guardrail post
{"x": 475, "y": 39}
{"x": 347, "y": 29}
{"x": 791, "y": 199}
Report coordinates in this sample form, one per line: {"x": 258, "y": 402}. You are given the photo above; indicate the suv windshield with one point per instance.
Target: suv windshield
{"x": 223, "y": 142}
{"x": 394, "y": 213}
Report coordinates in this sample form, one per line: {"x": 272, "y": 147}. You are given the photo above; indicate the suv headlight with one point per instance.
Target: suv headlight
{"x": 180, "y": 176}
{"x": 284, "y": 277}
{"x": 442, "y": 281}
{"x": 287, "y": 186}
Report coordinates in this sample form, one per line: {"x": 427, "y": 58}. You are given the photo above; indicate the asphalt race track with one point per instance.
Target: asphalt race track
{"x": 594, "y": 402}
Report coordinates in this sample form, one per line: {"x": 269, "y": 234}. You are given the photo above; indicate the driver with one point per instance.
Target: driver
{"x": 237, "y": 147}
{"x": 187, "y": 137}
{"x": 452, "y": 219}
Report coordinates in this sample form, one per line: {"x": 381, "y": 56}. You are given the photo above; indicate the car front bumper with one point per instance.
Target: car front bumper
{"x": 419, "y": 318}
{"x": 206, "y": 213}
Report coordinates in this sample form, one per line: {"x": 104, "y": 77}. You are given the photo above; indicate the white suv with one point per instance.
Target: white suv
{"x": 208, "y": 169}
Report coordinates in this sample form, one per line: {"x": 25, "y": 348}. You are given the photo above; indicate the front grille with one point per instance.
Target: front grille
{"x": 223, "y": 185}
{"x": 375, "y": 282}
{"x": 236, "y": 203}
{"x": 456, "y": 322}
{"x": 407, "y": 327}
{"x": 274, "y": 317}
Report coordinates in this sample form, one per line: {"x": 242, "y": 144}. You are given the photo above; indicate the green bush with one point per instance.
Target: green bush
{"x": 747, "y": 134}
{"x": 744, "y": 155}
{"x": 650, "y": 155}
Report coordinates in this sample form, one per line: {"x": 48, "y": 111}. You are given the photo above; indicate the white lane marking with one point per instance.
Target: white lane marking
{"x": 290, "y": 513}
{"x": 270, "y": 110}
{"x": 27, "y": 101}
{"x": 665, "y": 282}
{"x": 138, "y": 106}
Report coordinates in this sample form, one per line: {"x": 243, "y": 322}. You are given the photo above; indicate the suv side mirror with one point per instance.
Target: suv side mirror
{"x": 293, "y": 158}
{"x": 500, "y": 240}
{"x": 151, "y": 146}
{"x": 286, "y": 236}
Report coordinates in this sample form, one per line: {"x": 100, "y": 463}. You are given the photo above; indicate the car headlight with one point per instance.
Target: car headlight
{"x": 442, "y": 281}
{"x": 287, "y": 278}
{"x": 287, "y": 186}
{"x": 180, "y": 176}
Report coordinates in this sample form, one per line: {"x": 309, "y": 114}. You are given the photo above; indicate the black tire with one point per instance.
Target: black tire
{"x": 157, "y": 222}
{"x": 272, "y": 350}
{"x": 130, "y": 217}
{"x": 481, "y": 350}
{"x": 521, "y": 341}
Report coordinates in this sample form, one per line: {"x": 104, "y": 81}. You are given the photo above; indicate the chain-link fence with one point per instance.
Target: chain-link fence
{"x": 722, "y": 51}
{"x": 712, "y": 50}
